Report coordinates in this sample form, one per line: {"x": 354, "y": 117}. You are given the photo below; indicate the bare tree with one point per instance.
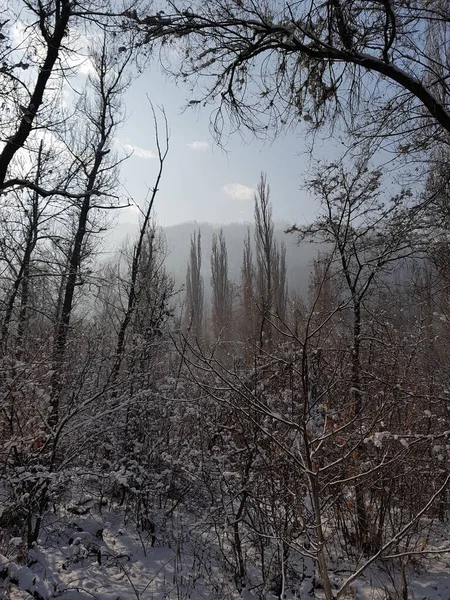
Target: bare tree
{"x": 368, "y": 64}
{"x": 138, "y": 251}
{"x": 248, "y": 292}
{"x": 265, "y": 258}
{"x": 366, "y": 238}
{"x": 50, "y": 23}
{"x": 280, "y": 281}
{"x": 221, "y": 287}
{"x": 34, "y": 70}
{"x": 33, "y": 216}
{"x": 330, "y": 404}
{"x": 194, "y": 287}
{"x": 95, "y": 169}
{"x": 270, "y": 265}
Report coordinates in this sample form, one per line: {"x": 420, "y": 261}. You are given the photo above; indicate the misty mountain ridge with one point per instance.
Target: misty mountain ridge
{"x": 299, "y": 257}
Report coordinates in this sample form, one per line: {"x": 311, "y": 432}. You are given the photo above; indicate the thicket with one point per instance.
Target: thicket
{"x": 290, "y": 427}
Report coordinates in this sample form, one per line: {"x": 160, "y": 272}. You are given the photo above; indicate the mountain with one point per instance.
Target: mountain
{"x": 298, "y": 257}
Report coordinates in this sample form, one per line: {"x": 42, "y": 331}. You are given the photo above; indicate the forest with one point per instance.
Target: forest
{"x": 233, "y": 437}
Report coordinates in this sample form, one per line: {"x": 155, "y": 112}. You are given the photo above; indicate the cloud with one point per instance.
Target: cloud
{"x": 139, "y": 152}
{"x": 18, "y": 33}
{"x": 238, "y": 191}
{"x": 76, "y": 59}
{"x": 85, "y": 67}
{"x": 198, "y": 146}
{"x": 134, "y": 208}
{"x": 80, "y": 57}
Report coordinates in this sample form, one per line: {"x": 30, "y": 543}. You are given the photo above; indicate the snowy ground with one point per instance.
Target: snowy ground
{"x": 105, "y": 557}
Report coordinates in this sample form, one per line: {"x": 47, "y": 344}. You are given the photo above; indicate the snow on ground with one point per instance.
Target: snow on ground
{"x": 106, "y": 557}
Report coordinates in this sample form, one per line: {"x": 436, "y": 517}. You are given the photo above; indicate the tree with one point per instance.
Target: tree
{"x": 221, "y": 288}
{"x": 281, "y": 284}
{"x": 140, "y": 246}
{"x": 368, "y": 64}
{"x": 270, "y": 266}
{"x": 95, "y": 170}
{"x": 367, "y": 235}
{"x": 34, "y": 71}
{"x": 50, "y": 24}
{"x": 327, "y": 408}
{"x": 34, "y": 215}
{"x": 265, "y": 258}
{"x": 248, "y": 293}
{"x": 194, "y": 287}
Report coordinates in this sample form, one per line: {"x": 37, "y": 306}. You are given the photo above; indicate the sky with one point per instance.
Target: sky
{"x": 201, "y": 180}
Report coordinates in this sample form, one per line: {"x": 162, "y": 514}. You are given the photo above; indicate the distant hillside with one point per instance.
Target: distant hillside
{"x": 298, "y": 258}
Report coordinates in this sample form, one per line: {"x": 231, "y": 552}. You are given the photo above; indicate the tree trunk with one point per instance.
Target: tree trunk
{"x": 14, "y": 143}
